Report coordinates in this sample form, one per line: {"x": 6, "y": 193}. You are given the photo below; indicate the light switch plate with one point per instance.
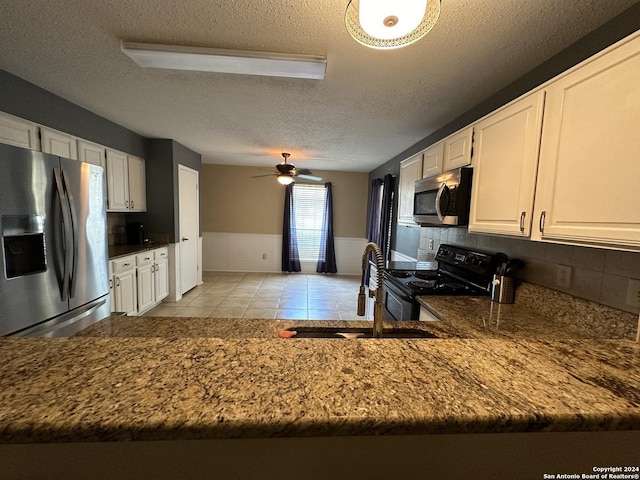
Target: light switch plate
{"x": 563, "y": 276}
{"x": 430, "y": 242}
{"x": 633, "y": 293}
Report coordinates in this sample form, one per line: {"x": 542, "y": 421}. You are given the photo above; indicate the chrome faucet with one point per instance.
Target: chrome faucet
{"x": 378, "y": 308}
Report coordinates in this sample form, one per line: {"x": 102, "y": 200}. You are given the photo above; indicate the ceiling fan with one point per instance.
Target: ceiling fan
{"x": 287, "y": 172}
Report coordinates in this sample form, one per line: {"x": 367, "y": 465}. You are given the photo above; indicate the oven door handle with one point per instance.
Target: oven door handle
{"x": 438, "y": 198}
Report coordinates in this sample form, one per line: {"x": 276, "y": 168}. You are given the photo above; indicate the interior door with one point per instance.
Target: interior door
{"x": 189, "y": 211}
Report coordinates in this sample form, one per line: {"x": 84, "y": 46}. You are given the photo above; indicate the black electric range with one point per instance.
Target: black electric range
{"x": 459, "y": 271}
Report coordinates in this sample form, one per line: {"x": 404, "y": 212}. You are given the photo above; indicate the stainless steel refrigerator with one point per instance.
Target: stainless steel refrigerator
{"x": 54, "y": 279}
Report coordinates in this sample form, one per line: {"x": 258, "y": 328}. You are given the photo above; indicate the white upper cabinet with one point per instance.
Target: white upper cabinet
{"x": 92, "y": 153}
{"x": 18, "y": 132}
{"x": 58, "y": 143}
{"x": 117, "y": 182}
{"x": 137, "y": 184}
{"x": 457, "y": 149}
{"x": 410, "y": 171}
{"x": 506, "y": 147}
{"x": 589, "y": 170}
{"x": 432, "y": 161}
{"x": 126, "y": 183}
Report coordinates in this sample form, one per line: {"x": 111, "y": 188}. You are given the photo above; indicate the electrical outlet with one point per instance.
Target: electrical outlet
{"x": 430, "y": 244}
{"x": 563, "y": 276}
{"x": 264, "y": 256}
{"x": 633, "y": 293}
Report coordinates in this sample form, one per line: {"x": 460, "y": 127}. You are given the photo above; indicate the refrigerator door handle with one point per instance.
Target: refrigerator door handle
{"x": 66, "y": 225}
{"x": 74, "y": 236}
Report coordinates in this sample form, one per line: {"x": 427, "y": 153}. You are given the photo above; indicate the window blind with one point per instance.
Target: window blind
{"x": 308, "y": 203}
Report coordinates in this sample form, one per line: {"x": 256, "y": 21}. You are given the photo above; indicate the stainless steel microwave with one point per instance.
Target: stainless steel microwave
{"x": 443, "y": 199}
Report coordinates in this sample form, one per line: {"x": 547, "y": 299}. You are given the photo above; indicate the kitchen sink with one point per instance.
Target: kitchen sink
{"x": 345, "y": 332}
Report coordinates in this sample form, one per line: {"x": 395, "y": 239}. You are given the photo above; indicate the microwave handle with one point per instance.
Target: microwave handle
{"x": 438, "y": 196}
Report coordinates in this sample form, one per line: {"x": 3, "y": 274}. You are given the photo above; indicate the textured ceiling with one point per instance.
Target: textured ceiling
{"x": 371, "y": 106}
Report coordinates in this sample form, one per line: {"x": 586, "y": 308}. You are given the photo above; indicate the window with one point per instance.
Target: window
{"x": 309, "y": 204}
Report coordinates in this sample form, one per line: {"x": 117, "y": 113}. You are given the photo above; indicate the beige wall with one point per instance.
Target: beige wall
{"x": 234, "y": 202}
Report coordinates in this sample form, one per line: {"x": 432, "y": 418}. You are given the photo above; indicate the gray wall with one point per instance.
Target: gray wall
{"x": 406, "y": 239}
{"x": 26, "y": 100}
{"x": 162, "y": 159}
{"x": 183, "y": 156}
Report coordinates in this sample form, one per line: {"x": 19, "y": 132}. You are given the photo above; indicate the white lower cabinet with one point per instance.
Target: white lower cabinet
{"x": 139, "y": 282}
{"x": 427, "y": 316}
{"x": 161, "y": 273}
{"x": 123, "y": 280}
{"x": 146, "y": 281}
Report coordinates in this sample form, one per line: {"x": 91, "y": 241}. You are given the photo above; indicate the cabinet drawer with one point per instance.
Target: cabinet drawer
{"x": 144, "y": 258}
{"x": 161, "y": 253}
{"x": 123, "y": 264}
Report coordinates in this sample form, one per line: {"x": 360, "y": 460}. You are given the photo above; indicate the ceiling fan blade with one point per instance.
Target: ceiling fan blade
{"x": 267, "y": 175}
{"x": 309, "y": 177}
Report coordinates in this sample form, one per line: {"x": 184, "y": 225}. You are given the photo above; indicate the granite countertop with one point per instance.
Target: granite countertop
{"x": 538, "y": 313}
{"x": 116, "y": 251}
{"x": 153, "y": 378}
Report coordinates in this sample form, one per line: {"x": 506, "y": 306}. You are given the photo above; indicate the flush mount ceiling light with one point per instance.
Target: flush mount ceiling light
{"x": 202, "y": 59}
{"x": 386, "y": 24}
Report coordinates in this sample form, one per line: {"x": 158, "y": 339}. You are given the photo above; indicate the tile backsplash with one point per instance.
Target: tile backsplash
{"x": 116, "y": 228}
{"x": 597, "y": 274}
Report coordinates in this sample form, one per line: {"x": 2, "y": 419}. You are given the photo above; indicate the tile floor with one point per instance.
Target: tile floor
{"x": 268, "y": 295}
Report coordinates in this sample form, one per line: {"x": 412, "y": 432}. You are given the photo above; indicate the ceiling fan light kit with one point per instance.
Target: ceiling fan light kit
{"x": 175, "y": 57}
{"x": 384, "y": 24}
{"x": 285, "y": 179}
{"x": 287, "y": 173}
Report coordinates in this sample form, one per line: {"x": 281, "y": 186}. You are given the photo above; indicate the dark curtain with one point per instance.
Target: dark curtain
{"x": 290, "y": 256}
{"x": 375, "y": 206}
{"x": 327, "y": 254}
{"x": 388, "y": 187}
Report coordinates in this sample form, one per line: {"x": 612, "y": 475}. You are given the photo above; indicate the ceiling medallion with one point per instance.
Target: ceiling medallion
{"x": 384, "y": 24}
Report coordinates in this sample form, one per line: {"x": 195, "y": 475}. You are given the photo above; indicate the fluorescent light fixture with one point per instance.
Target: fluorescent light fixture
{"x": 174, "y": 57}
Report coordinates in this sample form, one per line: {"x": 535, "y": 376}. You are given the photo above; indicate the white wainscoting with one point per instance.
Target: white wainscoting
{"x": 243, "y": 252}
{"x": 401, "y": 257}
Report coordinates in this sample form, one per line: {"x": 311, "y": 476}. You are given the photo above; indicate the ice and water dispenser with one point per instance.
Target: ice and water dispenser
{"x": 24, "y": 247}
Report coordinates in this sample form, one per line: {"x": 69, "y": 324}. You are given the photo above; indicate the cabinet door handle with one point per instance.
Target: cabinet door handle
{"x": 117, "y": 281}
{"x": 184, "y": 239}
{"x": 132, "y": 207}
{"x": 542, "y": 219}
{"x": 522, "y": 217}
{"x": 126, "y": 264}
{"x": 126, "y": 203}
{"x": 110, "y": 283}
